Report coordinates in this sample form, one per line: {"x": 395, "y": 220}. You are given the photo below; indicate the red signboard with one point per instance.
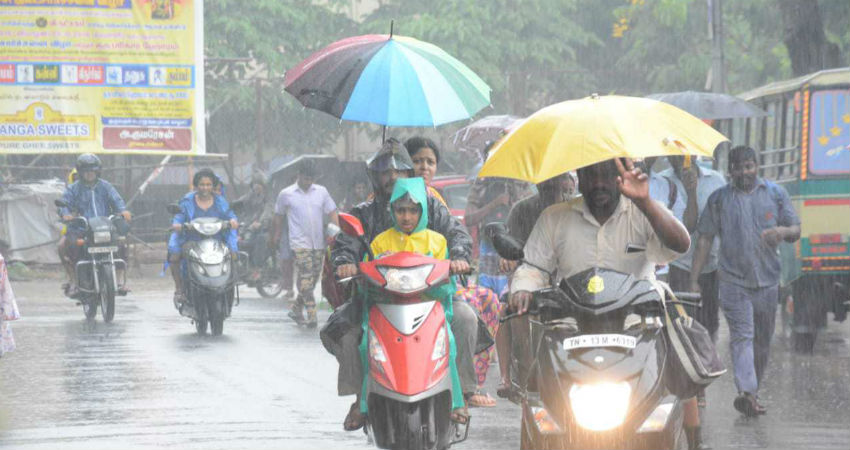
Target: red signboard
{"x": 131, "y": 138}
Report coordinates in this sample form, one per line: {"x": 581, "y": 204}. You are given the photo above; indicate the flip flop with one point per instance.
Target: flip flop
{"x": 480, "y": 400}
{"x": 460, "y": 415}
{"x": 354, "y": 420}
{"x": 504, "y": 390}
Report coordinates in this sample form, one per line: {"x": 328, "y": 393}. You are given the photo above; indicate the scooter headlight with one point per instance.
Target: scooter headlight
{"x": 376, "y": 351}
{"x": 208, "y": 228}
{"x": 600, "y": 406}
{"x": 405, "y": 281}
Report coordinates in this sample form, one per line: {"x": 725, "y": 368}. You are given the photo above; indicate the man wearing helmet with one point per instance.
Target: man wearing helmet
{"x": 390, "y": 163}
{"x": 89, "y": 196}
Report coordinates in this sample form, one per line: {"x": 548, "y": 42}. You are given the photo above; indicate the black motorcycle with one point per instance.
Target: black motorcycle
{"x": 599, "y": 367}
{"x": 209, "y": 275}
{"x": 270, "y": 283}
{"x": 95, "y": 272}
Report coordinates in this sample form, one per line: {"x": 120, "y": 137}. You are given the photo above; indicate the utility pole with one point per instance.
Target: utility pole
{"x": 258, "y": 84}
{"x": 717, "y": 75}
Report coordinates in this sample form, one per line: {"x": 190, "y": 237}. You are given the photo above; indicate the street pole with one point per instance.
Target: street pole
{"x": 718, "y": 64}
{"x": 259, "y": 158}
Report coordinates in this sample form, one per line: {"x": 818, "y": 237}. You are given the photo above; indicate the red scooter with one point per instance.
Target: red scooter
{"x": 408, "y": 386}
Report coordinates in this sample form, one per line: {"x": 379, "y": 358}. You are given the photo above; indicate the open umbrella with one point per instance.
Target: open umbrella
{"x": 577, "y": 133}
{"x": 710, "y": 105}
{"x": 475, "y": 136}
{"x": 388, "y": 80}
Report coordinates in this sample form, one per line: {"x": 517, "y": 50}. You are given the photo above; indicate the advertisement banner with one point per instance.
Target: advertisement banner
{"x": 102, "y": 76}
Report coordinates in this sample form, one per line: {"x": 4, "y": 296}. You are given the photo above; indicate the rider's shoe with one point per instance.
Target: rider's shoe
{"x": 179, "y": 300}
{"x": 74, "y": 293}
{"x": 122, "y": 291}
{"x": 296, "y": 314}
{"x": 312, "y": 320}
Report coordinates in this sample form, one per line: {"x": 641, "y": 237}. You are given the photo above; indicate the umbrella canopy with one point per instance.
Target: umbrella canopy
{"x": 388, "y": 80}
{"x": 710, "y": 105}
{"x": 578, "y": 133}
{"x": 476, "y": 135}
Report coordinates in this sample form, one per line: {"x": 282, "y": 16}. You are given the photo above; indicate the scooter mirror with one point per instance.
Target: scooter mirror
{"x": 60, "y": 203}
{"x": 507, "y": 246}
{"x": 173, "y": 208}
{"x": 351, "y": 225}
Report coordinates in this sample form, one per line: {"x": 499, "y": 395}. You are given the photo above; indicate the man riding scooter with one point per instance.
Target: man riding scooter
{"x": 603, "y": 229}
{"x": 385, "y": 167}
{"x": 89, "y": 196}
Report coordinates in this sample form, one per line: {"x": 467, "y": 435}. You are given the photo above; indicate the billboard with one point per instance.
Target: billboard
{"x": 102, "y": 76}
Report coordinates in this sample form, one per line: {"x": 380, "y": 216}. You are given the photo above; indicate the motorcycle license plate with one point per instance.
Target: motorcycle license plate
{"x": 103, "y": 249}
{"x": 600, "y": 340}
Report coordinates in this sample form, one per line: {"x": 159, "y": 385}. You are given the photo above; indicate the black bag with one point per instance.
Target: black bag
{"x": 484, "y": 340}
{"x": 694, "y": 362}
{"x": 340, "y": 322}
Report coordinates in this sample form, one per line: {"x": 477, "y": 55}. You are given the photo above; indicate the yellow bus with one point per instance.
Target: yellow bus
{"x": 804, "y": 145}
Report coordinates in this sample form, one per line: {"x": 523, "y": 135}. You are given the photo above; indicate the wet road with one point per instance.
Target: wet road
{"x": 147, "y": 380}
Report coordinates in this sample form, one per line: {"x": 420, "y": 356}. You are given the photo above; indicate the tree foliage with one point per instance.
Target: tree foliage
{"x": 277, "y": 35}
{"x": 531, "y": 52}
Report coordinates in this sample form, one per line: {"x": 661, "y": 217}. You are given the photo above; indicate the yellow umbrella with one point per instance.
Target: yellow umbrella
{"x": 578, "y": 133}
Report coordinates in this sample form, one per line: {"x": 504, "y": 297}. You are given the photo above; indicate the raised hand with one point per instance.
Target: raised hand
{"x": 632, "y": 182}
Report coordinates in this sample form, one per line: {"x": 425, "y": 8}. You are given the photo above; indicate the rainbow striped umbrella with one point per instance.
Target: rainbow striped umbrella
{"x": 388, "y": 80}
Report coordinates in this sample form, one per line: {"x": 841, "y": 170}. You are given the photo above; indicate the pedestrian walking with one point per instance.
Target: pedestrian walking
{"x": 751, "y": 216}
{"x": 306, "y": 206}
{"x": 8, "y": 309}
{"x": 489, "y": 201}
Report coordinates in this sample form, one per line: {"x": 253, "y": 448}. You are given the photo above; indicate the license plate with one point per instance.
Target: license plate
{"x": 600, "y": 340}
{"x": 103, "y": 249}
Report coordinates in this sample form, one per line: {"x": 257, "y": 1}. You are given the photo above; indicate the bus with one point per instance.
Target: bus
{"x": 804, "y": 145}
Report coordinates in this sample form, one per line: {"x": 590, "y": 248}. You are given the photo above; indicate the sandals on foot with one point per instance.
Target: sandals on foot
{"x": 504, "y": 389}
{"x": 480, "y": 400}
{"x": 354, "y": 420}
{"x": 460, "y": 415}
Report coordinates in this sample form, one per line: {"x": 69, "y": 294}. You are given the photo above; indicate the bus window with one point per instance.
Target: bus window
{"x": 791, "y": 119}
{"x": 829, "y": 132}
{"x": 755, "y": 136}
{"x": 773, "y": 114}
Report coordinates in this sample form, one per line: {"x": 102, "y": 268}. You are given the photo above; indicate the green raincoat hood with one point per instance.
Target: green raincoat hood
{"x": 416, "y": 188}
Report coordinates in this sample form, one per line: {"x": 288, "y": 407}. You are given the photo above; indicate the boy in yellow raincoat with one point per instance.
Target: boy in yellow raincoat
{"x": 410, "y": 234}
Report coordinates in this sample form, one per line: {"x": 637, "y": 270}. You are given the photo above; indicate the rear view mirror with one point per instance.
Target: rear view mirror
{"x": 351, "y": 225}
{"x": 60, "y": 203}
{"x": 508, "y": 247}
{"x": 173, "y": 208}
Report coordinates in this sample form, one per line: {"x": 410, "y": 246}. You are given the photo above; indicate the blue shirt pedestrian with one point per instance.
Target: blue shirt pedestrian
{"x": 709, "y": 181}
{"x": 739, "y": 218}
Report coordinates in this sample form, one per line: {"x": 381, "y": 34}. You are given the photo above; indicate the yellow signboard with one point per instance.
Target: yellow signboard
{"x": 103, "y": 76}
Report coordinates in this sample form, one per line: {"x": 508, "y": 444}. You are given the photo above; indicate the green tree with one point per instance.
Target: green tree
{"x": 277, "y": 35}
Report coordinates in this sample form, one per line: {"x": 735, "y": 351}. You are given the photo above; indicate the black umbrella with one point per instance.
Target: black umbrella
{"x": 710, "y": 105}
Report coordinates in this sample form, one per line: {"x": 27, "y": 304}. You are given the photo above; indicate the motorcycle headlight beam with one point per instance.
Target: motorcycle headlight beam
{"x": 600, "y": 406}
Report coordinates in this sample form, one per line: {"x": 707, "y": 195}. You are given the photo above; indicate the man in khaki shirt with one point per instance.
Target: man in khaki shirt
{"x": 596, "y": 229}
{"x": 602, "y": 229}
